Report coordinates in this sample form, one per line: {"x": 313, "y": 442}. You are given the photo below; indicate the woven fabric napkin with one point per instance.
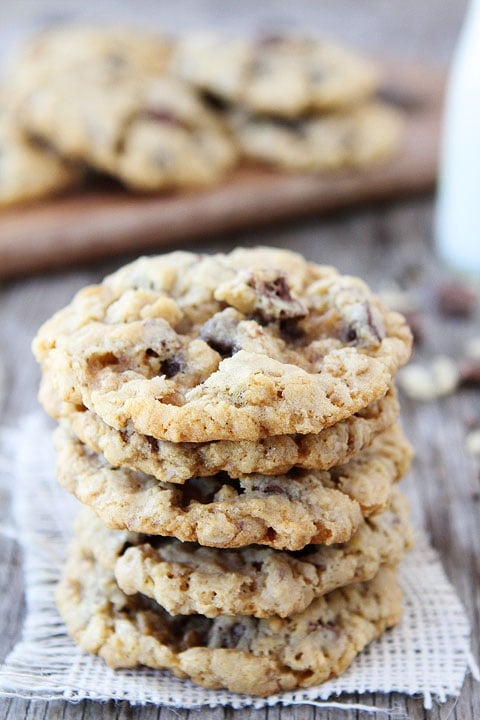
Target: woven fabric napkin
{"x": 427, "y": 654}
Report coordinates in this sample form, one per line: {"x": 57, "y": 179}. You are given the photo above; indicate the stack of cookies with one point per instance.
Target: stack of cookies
{"x": 230, "y": 424}
{"x": 161, "y": 113}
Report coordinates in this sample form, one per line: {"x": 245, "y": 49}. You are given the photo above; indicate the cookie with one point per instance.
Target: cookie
{"x": 177, "y": 462}
{"x": 359, "y": 138}
{"x": 29, "y": 169}
{"x": 191, "y": 348}
{"x": 97, "y": 101}
{"x": 286, "y": 512}
{"x": 185, "y": 578}
{"x": 119, "y": 51}
{"x": 284, "y": 76}
{"x": 241, "y": 653}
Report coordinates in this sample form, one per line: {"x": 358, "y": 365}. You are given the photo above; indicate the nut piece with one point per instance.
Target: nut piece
{"x": 472, "y": 349}
{"x": 472, "y": 442}
{"x": 441, "y": 378}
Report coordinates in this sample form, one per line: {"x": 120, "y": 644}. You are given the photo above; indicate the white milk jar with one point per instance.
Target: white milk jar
{"x": 457, "y": 227}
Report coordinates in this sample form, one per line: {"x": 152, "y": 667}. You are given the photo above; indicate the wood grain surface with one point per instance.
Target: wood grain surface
{"x": 103, "y": 222}
{"x": 379, "y": 242}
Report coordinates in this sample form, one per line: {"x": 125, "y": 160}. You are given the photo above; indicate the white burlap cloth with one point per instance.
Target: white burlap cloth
{"x": 428, "y": 654}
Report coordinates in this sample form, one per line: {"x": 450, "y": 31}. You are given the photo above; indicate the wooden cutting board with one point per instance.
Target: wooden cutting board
{"x": 108, "y": 221}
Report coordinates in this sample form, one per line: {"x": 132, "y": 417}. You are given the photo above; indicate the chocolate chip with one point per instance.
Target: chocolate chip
{"x": 194, "y": 638}
{"x": 331, "y": 627}
{"x": 215, "y": 102}
{"x": 225, "y": 349}
{"x": 172, "y": 366}
{"x": 291, "y": 331}
{"x": 278, "y": 288}
{"x": 269, "y": 488}
{"x": 455, "y": 300}
{"x": 274, "y": 300}
{"x": 296, "y": 126}
{"x": 153, "y": 442}
{"x": 363, "y": 325}
{"x": 164, "y": 116}
{"x": 469, "y": 371}
{"x": 273, "y": 489}
{"x": 220, "y": 332}
{"x": 307, "y": 550}
{"x": 233, "y": 635}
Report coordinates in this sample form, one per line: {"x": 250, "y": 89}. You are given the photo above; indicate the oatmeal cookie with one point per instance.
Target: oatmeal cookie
{"x": 286, "y": 512}
{"x": 29, "y": 168}
{"x": 241, "y": 653}
{"x": 185, "y": 578}
{"x": 191, "y": 348}
{"x": 359, "y": 138}
{"x": 97, "y": 102}
{"x": 177, "y": 462}
{"x": 119, "y": 51}
{"x": 284, "y": 76}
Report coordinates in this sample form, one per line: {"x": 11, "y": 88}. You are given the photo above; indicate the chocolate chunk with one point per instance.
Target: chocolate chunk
{"x": 153, "y": 442}
{"x": 292, "y": 332}
{"x": 172, "y": 366}
{"x": 296, "y": 126}
{"x": 274, "y": 300}
{"x": 220, "y": 332}
{"x": 330, "y": 628}
{"x": 269, "y": 488}
{"x": 214, "y": 102}
{"x": 455, "y": 300}
{"x": 469, "y": 371}
{"x": 363, "y": 325}
{"x": 233, "y": 635}
{"x": 273, "y": 489}
{"x": 164, "y": 116}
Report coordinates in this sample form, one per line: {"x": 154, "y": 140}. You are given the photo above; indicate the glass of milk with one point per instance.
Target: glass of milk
{"x": 457, "y": 222}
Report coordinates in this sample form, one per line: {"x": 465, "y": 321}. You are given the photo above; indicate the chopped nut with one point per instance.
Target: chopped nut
{"x": 455, "y": 300}
{"x": 429, "y": 383}
{"x": 472, "y": 442}
{"x": 472, "y": 349}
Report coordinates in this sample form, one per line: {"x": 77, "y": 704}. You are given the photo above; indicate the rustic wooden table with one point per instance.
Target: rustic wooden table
{"x": 384, "y": 242}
